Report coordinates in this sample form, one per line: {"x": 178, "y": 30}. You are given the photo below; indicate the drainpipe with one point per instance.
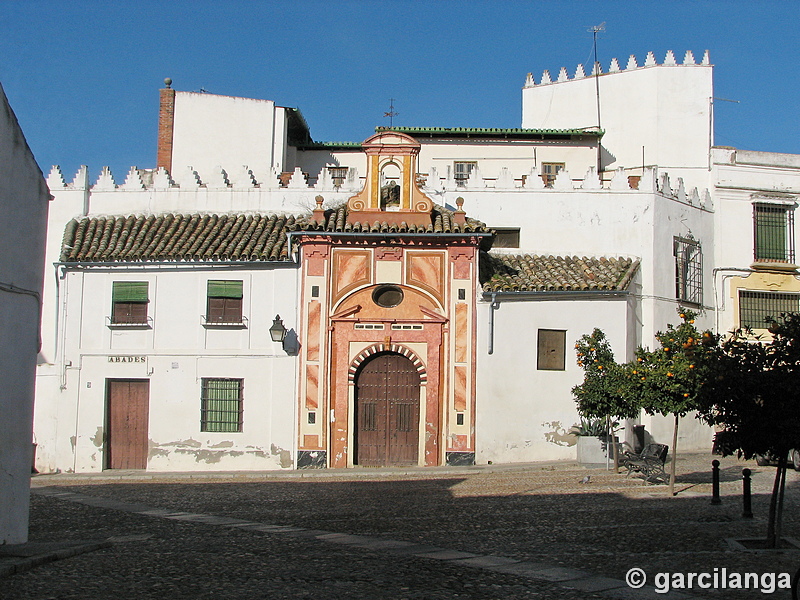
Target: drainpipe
{"x": 492, "y": 307}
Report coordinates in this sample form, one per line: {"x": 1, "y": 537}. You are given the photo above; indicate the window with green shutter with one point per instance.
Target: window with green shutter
{"x": 774, "y": 232}
{"x": 221, "y": 405}
{"x": 129, "y": 303}
{"x": 224, "y": 302}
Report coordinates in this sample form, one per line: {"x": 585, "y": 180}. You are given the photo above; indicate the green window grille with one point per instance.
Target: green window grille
{"x": 688, "y": 270}
{"x": 758, "y": 309}
{"x": 774, "y": 232}
{"x": 221, "y": 401}
{"x": 129, "y": 291}
{"x": 225, "y": 289}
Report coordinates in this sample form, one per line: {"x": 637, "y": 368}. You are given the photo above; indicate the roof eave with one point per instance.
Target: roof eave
{"x": 554, "y": 295}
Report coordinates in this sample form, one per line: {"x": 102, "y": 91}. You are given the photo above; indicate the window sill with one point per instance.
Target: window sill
{"x": 691, "y": 304}
{"x": 781, "y": 267}
{"x": 225, "y": 325}
{"x": 139, "y": 325}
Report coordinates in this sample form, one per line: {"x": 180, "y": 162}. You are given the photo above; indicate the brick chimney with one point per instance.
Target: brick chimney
{"x": 166, "y": 120}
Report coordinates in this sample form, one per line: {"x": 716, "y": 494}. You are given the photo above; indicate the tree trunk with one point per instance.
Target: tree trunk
{"x": 772, "y": 533}
{"x": 674, "y": 457}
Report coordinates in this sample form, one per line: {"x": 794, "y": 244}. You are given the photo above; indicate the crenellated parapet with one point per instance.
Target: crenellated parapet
{"x": 614, "y": 67}
{"x": 299, "y": 184}
{"x": 647, "y": 180}
{"x": 188, "y": 179}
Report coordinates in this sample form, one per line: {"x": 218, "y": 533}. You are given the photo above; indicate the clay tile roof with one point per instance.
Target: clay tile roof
{"x": 226, "y": 237}
{"x": 176, "y": 237}
{"x": 338, "y": 219}
{"x": 533, "y": 273}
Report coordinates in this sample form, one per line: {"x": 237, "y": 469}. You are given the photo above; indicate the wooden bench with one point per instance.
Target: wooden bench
{"x": 649, "y": 462}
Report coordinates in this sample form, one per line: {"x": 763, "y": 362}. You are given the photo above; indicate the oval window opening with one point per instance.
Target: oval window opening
{"x": 387, "y": 296}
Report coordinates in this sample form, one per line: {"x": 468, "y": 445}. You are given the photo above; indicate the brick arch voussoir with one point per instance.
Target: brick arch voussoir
{"x": 396, "y": 348}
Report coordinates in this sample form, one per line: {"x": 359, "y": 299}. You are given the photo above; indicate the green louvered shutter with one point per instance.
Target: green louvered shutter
{"x": 225, "y": 289}
{"x": 129, "y": 291}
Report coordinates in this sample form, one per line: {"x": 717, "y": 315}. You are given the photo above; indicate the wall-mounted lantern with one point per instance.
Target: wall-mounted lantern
{"x": 277, "y": 332}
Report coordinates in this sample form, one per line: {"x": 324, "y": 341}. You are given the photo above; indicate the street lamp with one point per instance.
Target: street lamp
{"x": 277, "y": 332}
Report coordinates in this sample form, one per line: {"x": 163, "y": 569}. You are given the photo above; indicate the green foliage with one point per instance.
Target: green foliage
{"x": 604, "y": 392}
{"x": 669, "y": 379}
{"x": 753, "y": 391}
{"x": 591, "y": 427}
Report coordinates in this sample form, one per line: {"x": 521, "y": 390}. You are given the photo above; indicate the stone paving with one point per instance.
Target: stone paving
{"x": 523, "y": 531}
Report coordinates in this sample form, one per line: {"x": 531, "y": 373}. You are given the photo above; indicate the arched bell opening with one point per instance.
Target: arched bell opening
{"x": 391, "y": 186}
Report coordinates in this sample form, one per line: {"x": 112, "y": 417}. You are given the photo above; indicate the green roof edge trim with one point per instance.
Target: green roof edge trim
{"x": 330, "y": 146}
{"x": 490, "y": 131}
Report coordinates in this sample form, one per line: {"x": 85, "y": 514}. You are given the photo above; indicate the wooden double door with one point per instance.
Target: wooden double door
{"x": 127, "y": 418}
{"x": 387, "y": 412}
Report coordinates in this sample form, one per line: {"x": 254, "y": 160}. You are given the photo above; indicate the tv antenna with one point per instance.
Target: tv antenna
{"x": 595, "y": 29}
{"x": 391, "y": 114}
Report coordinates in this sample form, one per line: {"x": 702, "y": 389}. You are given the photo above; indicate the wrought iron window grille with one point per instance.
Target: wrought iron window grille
{"x": 688, "y": 270}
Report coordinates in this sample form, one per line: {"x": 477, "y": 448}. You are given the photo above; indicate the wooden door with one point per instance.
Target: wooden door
{"x": 387, "y": 412}
{"x": 128, "y": 402}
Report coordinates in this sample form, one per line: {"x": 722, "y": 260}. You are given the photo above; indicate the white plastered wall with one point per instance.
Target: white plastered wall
{"x": 177, "y": 352}
{"x": 211, "y": 131}
{"x": 648, "y": 107}
{"x": 23, "y": 217}
{"x": 524, "y": 414}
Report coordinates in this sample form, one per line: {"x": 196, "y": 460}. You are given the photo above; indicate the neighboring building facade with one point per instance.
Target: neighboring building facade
{"x": 23, "y": 218}
{"x": 417, "y": 335}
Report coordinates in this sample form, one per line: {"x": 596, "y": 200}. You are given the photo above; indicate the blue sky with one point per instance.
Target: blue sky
{"x": 83, "y": 77}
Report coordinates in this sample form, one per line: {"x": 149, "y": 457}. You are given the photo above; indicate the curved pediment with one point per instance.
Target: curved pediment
{"x": 391, "y": 141}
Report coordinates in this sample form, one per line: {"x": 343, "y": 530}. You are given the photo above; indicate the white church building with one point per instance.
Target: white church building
{"x": 260, "y": 300}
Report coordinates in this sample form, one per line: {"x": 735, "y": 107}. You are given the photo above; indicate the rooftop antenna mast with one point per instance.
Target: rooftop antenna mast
{"x": 595, "y": 30}
{"x": 391, "y": 114}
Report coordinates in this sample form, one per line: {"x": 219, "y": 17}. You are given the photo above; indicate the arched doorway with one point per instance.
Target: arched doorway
{"x": 387, "y": 412}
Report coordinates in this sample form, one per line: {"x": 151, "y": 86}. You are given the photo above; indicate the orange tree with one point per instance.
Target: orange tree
{"x": 752, "y": 396}
{"x": 604, "y": 393}
{"x": 668, "y": 380}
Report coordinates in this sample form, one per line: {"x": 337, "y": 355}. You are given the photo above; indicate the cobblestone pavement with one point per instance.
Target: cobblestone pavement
{"x": 517, "y": 532}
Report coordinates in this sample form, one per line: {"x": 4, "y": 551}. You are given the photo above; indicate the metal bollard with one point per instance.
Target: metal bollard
{"x": 715, "y": 499}
{"x": 747, "y": 511}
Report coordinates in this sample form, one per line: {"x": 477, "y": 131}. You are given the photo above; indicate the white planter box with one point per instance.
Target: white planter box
{"x": 592, "y": 451}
